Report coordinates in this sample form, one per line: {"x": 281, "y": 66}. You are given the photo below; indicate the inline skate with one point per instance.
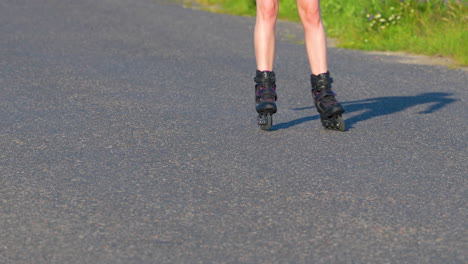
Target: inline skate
{"x": 329, "y": 109}
{"x": 265, "y": 98}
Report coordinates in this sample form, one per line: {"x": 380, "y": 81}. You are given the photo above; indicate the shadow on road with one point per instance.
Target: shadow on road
{"x": 294, "y": 122}
{"x": 379, "y": 107}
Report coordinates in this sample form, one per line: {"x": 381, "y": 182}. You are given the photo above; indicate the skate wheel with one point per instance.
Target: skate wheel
{"x": 334, "y": 123}
{"x": 265, "y": 121}
{"x": 340, "y": 124}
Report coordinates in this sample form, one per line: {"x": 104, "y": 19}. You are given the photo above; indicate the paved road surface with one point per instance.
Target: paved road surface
{"x": 128, "y": 135}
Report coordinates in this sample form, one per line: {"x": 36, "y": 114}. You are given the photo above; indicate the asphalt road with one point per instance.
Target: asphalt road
{"x": 128, "y": 135}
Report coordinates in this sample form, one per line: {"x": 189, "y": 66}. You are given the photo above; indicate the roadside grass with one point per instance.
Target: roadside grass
{"x": 430, "y": 27}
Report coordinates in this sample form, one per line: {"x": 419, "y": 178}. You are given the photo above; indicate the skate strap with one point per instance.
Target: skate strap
{"x": 266, "y": 93}
{"x": 322, "y": 94}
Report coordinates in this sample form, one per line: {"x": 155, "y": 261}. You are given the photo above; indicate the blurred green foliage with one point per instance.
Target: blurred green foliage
{"x": 431, "y": 27}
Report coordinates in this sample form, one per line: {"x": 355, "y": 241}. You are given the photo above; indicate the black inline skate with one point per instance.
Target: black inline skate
{"x": 324, "y": 98}
{"x": 265, "y": 98}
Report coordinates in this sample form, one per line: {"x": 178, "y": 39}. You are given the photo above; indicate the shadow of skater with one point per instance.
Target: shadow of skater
{"x": 378, "y": 107}
{"x": 294, "y": 122}
{"x": 389, "y": 105}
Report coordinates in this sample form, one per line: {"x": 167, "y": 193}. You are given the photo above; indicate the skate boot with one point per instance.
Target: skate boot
{"x": 265, "y": 98}
{"x": 329, "y": 109}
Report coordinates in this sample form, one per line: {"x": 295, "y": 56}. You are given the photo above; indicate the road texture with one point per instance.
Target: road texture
{"x": 128, "y": 135}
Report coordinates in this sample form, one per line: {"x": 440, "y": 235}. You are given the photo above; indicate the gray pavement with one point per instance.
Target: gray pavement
{"x": 128, "y": 135}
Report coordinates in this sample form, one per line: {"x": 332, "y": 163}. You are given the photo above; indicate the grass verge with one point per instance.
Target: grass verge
{"x": 429, "y": 27}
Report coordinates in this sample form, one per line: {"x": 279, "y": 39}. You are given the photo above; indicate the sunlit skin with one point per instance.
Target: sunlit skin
{"x": 315, "y": 38}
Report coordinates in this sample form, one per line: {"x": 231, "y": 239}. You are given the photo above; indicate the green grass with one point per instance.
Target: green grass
{"x": 430, "y": 27}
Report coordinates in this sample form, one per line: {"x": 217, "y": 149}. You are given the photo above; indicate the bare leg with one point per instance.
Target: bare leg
{"x": 264, "y": 36}
{"x": 316, "y": 40}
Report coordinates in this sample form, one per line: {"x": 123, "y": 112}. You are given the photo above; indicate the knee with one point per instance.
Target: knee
{"x": 267, "y": 10}
{"x": 310, "y": 14}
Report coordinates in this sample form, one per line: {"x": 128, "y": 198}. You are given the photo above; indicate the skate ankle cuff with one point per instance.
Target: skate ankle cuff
{"x": 321, "y": 81}
{"x": 265, "y": 78}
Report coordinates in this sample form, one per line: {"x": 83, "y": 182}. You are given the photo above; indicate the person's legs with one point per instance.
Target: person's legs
{"x": 264, "y": 36}
{"x": 315, "y": 38}
{"x": 265, "y": 80}
{"x": 316, "y": 44}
